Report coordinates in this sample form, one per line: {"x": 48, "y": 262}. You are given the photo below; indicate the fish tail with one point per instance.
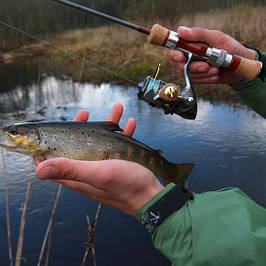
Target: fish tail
{"x": 180, "y": 173}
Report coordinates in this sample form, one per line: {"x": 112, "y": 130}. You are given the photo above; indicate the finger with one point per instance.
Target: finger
{"x": 100, "y": 174}
{"x": 129, "y": 127}
{"x": 85, "y": 189}
{"x": 197, "y": 34}
{"x": 201, "y": 67}
{"x": 115, "y": 113}
{"x": 179, "y": 67}
{"x": 213, "y": 71}
{"x": 208, "y": 80}
{"x": 81, "y": 116}
{"x": 93, "y": 193}
{"x": 176, "y": 56}
{"x": 37, "y": 161}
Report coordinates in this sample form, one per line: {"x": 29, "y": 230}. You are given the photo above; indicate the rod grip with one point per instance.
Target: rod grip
{"x": 159, "y": 35}
{"x": 245, "y": 68}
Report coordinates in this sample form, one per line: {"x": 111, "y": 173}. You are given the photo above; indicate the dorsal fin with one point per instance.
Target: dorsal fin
{"x": 111, "y": 126}
{"x": 160, "y": 152}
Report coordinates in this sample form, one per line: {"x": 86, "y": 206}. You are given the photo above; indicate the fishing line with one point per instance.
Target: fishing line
{"x": 82, "y": 59}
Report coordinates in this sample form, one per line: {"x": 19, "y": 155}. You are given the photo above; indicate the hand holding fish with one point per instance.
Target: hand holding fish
{"x": 121, "y": 184}
{"x": 202, "y": 72}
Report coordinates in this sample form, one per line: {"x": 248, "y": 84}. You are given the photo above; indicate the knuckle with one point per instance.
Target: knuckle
{"x": 69, "y": 170}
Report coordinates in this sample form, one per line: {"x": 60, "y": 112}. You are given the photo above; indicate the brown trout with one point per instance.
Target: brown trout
{"x": 89, "y": 141}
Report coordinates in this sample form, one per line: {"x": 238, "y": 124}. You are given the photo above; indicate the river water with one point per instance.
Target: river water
{"x": 226, "y": 144}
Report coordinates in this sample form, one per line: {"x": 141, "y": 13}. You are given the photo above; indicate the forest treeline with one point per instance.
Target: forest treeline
{"x": 42, "y": 17}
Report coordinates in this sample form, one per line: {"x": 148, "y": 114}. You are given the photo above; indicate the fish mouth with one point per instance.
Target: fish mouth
{"x": 10, "y": 137}
{"x": 18, "y": 143}
{"x": 14, "y": 139}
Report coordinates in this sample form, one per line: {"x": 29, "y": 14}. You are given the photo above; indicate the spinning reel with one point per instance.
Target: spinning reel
{"x": 173, "y": 99}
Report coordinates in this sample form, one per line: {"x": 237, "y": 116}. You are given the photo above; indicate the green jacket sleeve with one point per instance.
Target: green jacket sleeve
{"x": 253, "y": 93}
{"x": 218, "y": 228}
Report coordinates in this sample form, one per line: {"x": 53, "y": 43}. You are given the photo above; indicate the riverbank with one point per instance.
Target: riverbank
{"x": 125, "y": 54}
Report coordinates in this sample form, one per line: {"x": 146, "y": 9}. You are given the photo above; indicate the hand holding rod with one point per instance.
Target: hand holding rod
{"x": 244, "y": 67}
{"x": 161, "y": 36}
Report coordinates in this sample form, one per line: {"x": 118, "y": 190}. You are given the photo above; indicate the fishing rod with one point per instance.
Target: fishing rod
{"x": 161, "y": 36}
{"x": 168, "y": 96}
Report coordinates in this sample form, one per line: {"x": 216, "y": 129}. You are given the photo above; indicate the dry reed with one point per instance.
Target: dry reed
{"x": 49, "y": 227}
{"x": 22, "y": 223}
{"x": 7, "y": 211}
{"x": 91, "y": 237}
{"x": 50, "y": 234}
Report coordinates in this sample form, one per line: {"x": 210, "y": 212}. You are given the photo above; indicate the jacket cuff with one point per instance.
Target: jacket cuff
{"x": 150, "y": 203}
{"x": 245, "y": 86}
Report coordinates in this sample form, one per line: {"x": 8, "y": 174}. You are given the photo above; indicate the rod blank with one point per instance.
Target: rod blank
{"x": 103, "y": 15}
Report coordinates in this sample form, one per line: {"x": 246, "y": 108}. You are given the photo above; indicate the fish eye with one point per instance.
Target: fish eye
{"x": 13, "y": 132}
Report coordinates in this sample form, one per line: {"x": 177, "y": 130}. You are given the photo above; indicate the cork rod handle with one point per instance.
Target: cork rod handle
{"x": 244, "y": 67}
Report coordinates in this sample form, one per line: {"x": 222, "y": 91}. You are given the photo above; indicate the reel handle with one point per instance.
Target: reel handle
{"x": 244, "y": 67}
{"x": 169, "y": 92}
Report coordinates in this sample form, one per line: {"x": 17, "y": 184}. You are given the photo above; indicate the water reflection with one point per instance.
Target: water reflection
{"x": 226, "y": 144}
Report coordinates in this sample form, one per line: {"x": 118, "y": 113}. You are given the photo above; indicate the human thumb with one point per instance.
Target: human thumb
{"x": 56, "y": 168}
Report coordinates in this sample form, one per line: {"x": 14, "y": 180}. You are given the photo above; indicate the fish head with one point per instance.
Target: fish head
{"x": 21, "y": 138}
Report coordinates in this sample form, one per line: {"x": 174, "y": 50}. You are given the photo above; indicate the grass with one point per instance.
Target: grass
{"x": 127, "y": 54}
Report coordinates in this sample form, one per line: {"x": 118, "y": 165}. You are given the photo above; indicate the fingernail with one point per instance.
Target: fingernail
{"x": 47, "y": 172}
{"x": 184, "y": 28}
{"x": 202, "y": 69}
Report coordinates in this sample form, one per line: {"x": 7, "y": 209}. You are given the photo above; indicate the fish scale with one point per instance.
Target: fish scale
{"x": 89, "y": 141}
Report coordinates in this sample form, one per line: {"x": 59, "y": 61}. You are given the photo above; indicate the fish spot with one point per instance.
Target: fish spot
{"x": 129, "y": 152}
{"x": 151, "y": 161}
{"x": 82, "y": 133}
{"x": 117, "y": 156}
{"x": 89, "y": 141}
{"x": 45, "y": 142}
{"x": 142, "y": 152}
{"x": 49, "y": 148}
{"x": 62, "y": 145}
{"x": 62, "y": 131}
{"x": 104, "y": 135}
{"x": 71, "y": 139}
{"x": 54, "y": 149}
